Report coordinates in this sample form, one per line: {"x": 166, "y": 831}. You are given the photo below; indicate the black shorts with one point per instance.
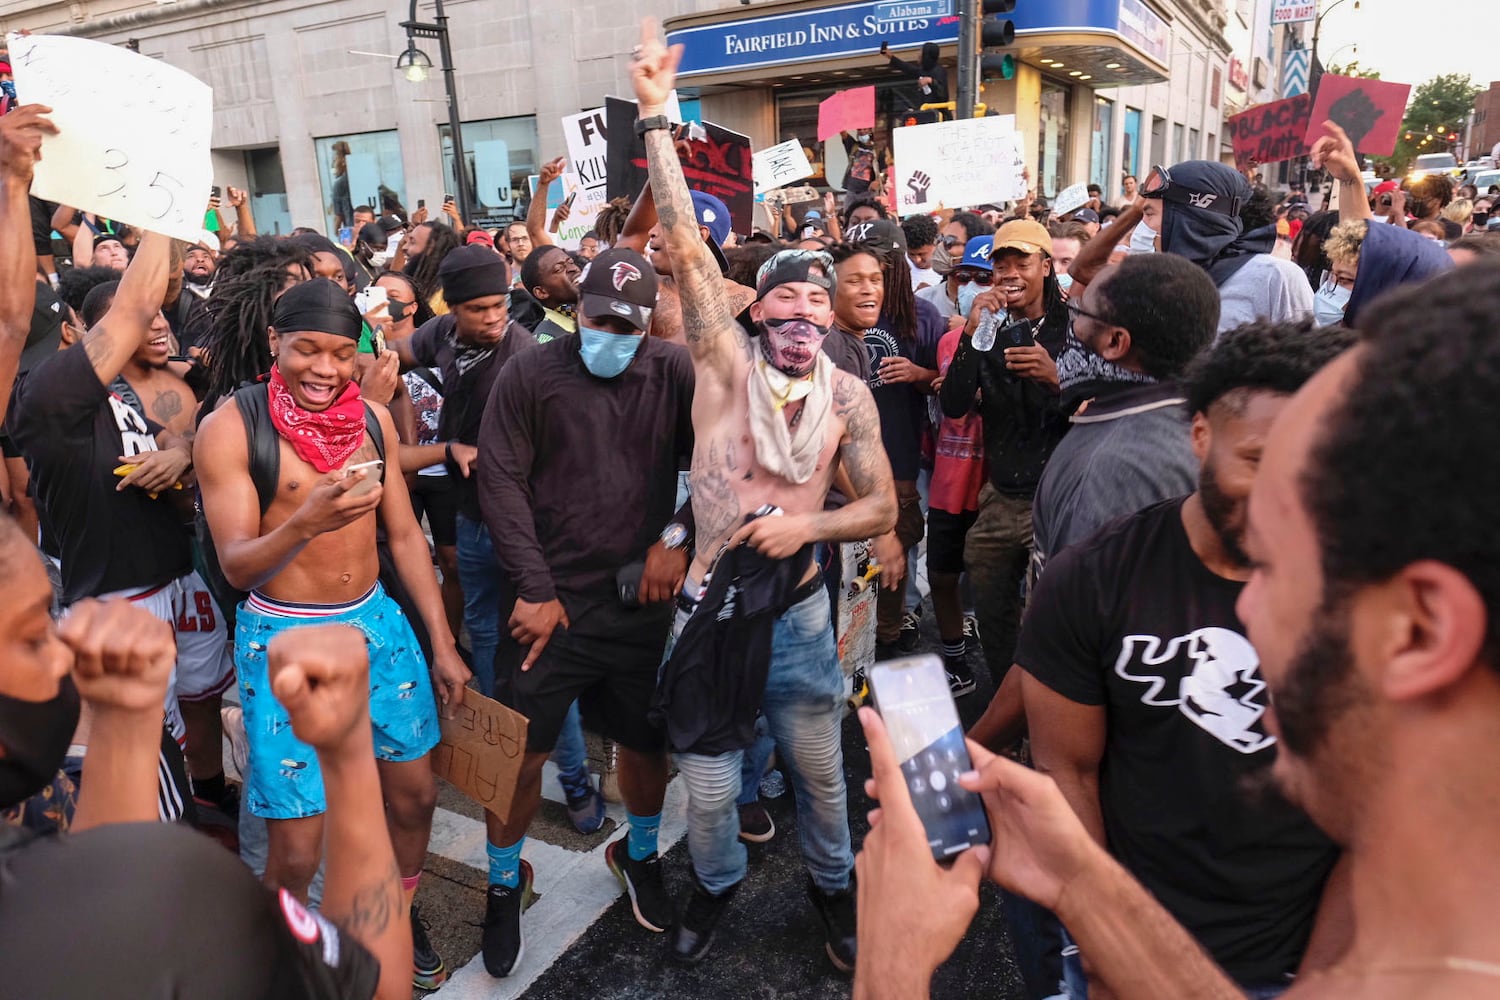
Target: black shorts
{"x": 437, "y": 497}
{"x": 607, "y": 662}
{"x": 945, "y": 539}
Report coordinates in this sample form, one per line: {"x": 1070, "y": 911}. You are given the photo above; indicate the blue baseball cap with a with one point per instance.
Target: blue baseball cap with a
{"x": 977, "y": 253}
{"x": 713, "y": 215}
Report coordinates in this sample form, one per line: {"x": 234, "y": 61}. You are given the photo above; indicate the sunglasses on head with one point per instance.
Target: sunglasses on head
{"x": 978, "y": 277}
{"x": 1159, "y": 185}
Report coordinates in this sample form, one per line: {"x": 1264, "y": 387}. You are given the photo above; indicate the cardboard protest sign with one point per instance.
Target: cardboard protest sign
{"x": 719, "y": 163}
{"x": 1271, "y": 132}
{"x": 971, "y": 161}
{"x": 780, "y": 164}
{"x": 1070, "y": 198}
{"x": 588, "y": 147}
{"x": 846, "y": 111}
{"x": 481, "y": 750}
{"x": 1370, "y": 111}
{"x": 133, "y": 133}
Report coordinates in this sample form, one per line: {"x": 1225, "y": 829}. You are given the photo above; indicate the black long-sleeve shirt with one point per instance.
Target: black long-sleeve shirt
{"x": 1023, "y": 421}
{"x": 578, "y": 474}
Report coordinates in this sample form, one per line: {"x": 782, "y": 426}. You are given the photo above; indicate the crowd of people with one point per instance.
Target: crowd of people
{"x": 1200, "y": 478}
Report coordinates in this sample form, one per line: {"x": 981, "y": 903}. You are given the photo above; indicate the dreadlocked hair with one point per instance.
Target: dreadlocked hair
{"x": 610, "y": 221}
{"x": 424, "y": 270}
{"x": 238, "y": 314}
{"x": 900, "y": 299}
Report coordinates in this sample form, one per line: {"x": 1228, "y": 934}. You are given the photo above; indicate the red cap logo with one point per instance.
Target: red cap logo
{"x": 623, "y": 272}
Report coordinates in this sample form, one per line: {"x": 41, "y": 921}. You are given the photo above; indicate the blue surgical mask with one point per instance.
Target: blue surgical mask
{"x": 606, "y": 354}
{"x": 1143, "y": 239}
{"x": 966, "y": 296}
{"x": 1329, "y": 303}
{"x": 1065, "y": 281}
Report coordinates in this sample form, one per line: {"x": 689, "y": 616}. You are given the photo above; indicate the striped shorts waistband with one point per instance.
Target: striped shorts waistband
{"x": 261, "y": 604}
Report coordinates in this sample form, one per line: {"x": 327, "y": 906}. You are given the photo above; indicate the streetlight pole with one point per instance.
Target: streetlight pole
{"x": 1315, "y": 72}
{"x": 416, "y": 72}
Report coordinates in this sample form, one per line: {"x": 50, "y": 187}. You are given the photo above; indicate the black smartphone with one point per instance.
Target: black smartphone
{"x": 911, "y": 694}
{"x": 628, "y": 584}
{"x": 447, "y": 199}
{"x": 215, "y": 190}
{"x": 568, "y": 201}
{"x": 1385, "y": 201}
{"x": 1017, "y": 334}
{"x": 421, "y": 202}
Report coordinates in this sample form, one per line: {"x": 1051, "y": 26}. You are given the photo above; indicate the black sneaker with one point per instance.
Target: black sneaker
{"x": 911, "y": 630}
{"x": 502, "y": 943}
{"x": 642, "y": 880}
{"x": 960, "y": 677}
{"x": 428, "y": 971}
{"x": 756, "y": 825}
{"x": 694, "y": 935}
{"x": 971, "y": 630}
{"x": 837, "y": 912}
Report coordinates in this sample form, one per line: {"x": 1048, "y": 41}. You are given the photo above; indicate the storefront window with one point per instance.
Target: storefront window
{"x": 1052, "y": 150}
{"x": 498, "y": 155}
{"x": 1104, "y": 133}
{"x": 1177, "y": 149}
{"x": 355, "y": 170}
{"x": 1130, "y": 161}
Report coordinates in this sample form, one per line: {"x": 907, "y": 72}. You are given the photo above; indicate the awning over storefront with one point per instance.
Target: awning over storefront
{"x": 1113, "y": 42}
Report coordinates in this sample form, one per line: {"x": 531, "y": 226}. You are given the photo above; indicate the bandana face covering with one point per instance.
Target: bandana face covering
{"x": 36, "y": 735}
{"x": 791, "y": 346}
{"x": 324, "y": 439}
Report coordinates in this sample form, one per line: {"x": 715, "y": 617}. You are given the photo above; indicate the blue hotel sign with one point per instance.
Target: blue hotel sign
{"x": 856, "y": 29}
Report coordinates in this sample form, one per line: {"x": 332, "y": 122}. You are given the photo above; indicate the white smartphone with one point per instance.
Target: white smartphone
{"x": 372, "y": 298}
{"x": 372, "y": 472}
{"x": 913, "y": 699}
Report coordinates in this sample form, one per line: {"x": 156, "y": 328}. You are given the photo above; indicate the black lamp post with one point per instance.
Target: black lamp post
{"x": 415, "y": 65}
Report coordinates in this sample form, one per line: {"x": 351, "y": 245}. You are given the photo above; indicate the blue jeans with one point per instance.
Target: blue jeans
{"x": 485, "y": 587}
{"x": 803, "y": 707}
{"x": 754, "y": 766}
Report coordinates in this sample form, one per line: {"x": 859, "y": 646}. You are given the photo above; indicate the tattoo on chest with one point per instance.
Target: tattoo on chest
{"x": 715, "y": 506}
{"x": 166, "y": 406}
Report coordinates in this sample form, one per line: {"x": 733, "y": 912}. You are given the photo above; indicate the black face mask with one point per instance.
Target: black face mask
{"x": 399, "y": 310}
{"x": 36, "y": 736}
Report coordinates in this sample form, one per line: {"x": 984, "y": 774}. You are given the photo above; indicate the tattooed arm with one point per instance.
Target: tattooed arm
{"x": 862, "y": 455}
{"x": 321, "y": 675}
{"x": 121, "y": 331}
{"x": 710, "y": 328}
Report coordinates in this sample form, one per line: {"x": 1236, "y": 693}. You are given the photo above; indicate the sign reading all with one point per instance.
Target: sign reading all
{"x": 1293, "y": 11}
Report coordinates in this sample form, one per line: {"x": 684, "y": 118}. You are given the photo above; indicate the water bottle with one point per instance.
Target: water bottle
{"x": 984, "y": 333}
{"x": 773, "y": 785}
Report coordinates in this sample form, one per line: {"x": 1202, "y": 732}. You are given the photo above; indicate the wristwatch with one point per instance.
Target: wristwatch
{"x": 644, "y": 125}
{"x": 674, "y": 536}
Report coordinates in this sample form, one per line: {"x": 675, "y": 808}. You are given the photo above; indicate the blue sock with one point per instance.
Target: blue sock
{"x": 505, "y": 863}
{"x": 643, "y": 829}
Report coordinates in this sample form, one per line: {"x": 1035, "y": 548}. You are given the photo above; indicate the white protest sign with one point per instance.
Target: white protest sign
{"x": 779, "y": 164}
{"x": 133, "y": 132}
{"x": 582, "y": 213}
{"x": 1070, "y": 198}
{"x": 971, "y": 161}
{"x": 588, "y": 147}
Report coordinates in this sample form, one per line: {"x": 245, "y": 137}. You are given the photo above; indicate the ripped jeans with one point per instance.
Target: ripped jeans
{"x": 803, "y": 704}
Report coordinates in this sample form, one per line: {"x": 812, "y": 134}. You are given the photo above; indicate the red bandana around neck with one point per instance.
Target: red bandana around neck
{"x": 324, "y": 439}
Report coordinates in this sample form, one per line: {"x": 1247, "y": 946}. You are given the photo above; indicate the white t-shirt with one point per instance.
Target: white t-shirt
{"x": 1267, "y": 288}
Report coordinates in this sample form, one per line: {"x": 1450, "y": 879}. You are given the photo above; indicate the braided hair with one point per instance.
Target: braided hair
{"x": 235, "y": 320}
{"x": 424, "y": 270}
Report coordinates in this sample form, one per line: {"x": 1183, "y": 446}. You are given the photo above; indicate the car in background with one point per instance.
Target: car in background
{"x": 1435, "y": 163}
{"x": 1484, "y": 180}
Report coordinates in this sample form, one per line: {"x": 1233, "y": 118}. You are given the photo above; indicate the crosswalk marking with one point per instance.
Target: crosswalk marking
{"x": 574, "y": 889}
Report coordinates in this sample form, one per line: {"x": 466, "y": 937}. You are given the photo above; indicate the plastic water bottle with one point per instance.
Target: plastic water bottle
{"x": 984, "y": 333}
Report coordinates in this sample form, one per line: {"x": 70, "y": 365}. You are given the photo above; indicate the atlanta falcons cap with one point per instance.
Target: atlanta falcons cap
{"x": 620, "y": 283}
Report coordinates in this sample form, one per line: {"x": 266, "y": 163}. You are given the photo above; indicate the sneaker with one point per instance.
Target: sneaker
{"x": 503, "y": 943}
{"x": 226, "y": 804}
{"x": 233, "y": 719}
{"x": 585, "y": 805}
{"x": 756, "y": 825}
{"x": 960, "y": 677}
{"x": 694, "y": 935}
{"x": 837, "y": 912}
{"x": 971, "y": 630}
{"x": 428, "y": 971}
{"x": 642, "y": 880}
{"x": 609, "y": 783}
{"x": 911, "y": 630}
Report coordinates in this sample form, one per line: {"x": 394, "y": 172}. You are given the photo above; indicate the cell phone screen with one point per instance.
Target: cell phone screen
{"x": 914, "y": 701}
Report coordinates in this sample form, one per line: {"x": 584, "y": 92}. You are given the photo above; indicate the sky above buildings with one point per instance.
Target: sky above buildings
{"x": 1412, "y": 43}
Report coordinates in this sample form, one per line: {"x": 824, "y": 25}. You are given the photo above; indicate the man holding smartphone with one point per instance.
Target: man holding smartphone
{"x": 1004, "y": 370}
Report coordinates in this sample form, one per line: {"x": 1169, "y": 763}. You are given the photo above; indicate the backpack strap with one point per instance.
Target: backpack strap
{"x": 377, "y": 434}
{"x": 264, "y": 443}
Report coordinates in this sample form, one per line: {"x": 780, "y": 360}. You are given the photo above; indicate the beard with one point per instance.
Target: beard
{"x": 201, "y": 280}
{"x": 1320, "y": 684}
{"x": 1225, "y": 514}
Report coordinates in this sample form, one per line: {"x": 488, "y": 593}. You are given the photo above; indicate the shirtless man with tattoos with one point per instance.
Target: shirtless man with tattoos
{"x": 773, "y": 421}
{"x": 307, "y": 555}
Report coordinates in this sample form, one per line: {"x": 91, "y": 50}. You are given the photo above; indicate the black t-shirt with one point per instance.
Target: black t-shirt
{"x": 41, "y": 225}
{"x": 1132, "y": 620}
{"x": 468, "y": 376}
{"x": 72, "y": 431}
{"x": 156, "y": 910}
{"x": 902, "y": 406}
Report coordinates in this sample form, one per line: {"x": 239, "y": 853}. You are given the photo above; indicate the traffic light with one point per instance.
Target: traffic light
{"x": 998, "y": 33}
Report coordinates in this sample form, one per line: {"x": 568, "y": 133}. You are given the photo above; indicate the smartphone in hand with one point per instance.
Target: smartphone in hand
{"x": 911, "y": 694}
{"x": 372, "y": 471}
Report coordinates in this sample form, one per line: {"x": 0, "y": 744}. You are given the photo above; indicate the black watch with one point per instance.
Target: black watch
{"x": 644, "y": 125}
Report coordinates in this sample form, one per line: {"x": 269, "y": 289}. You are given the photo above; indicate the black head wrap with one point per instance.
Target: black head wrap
{"x": 318, "y": 306}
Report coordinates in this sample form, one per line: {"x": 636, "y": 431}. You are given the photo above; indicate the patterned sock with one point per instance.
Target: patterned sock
{"x": 575, "y": 784}
{"x": 505, "y": 864}
{"x": 954, "y": 650}
{"x": 643, "y": 830}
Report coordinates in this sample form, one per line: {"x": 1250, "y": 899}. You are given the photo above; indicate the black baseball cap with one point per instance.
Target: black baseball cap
{"x": 45, "y": 335}
{"x": 618, "y": 282}
{"x": 883, "y": 237}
